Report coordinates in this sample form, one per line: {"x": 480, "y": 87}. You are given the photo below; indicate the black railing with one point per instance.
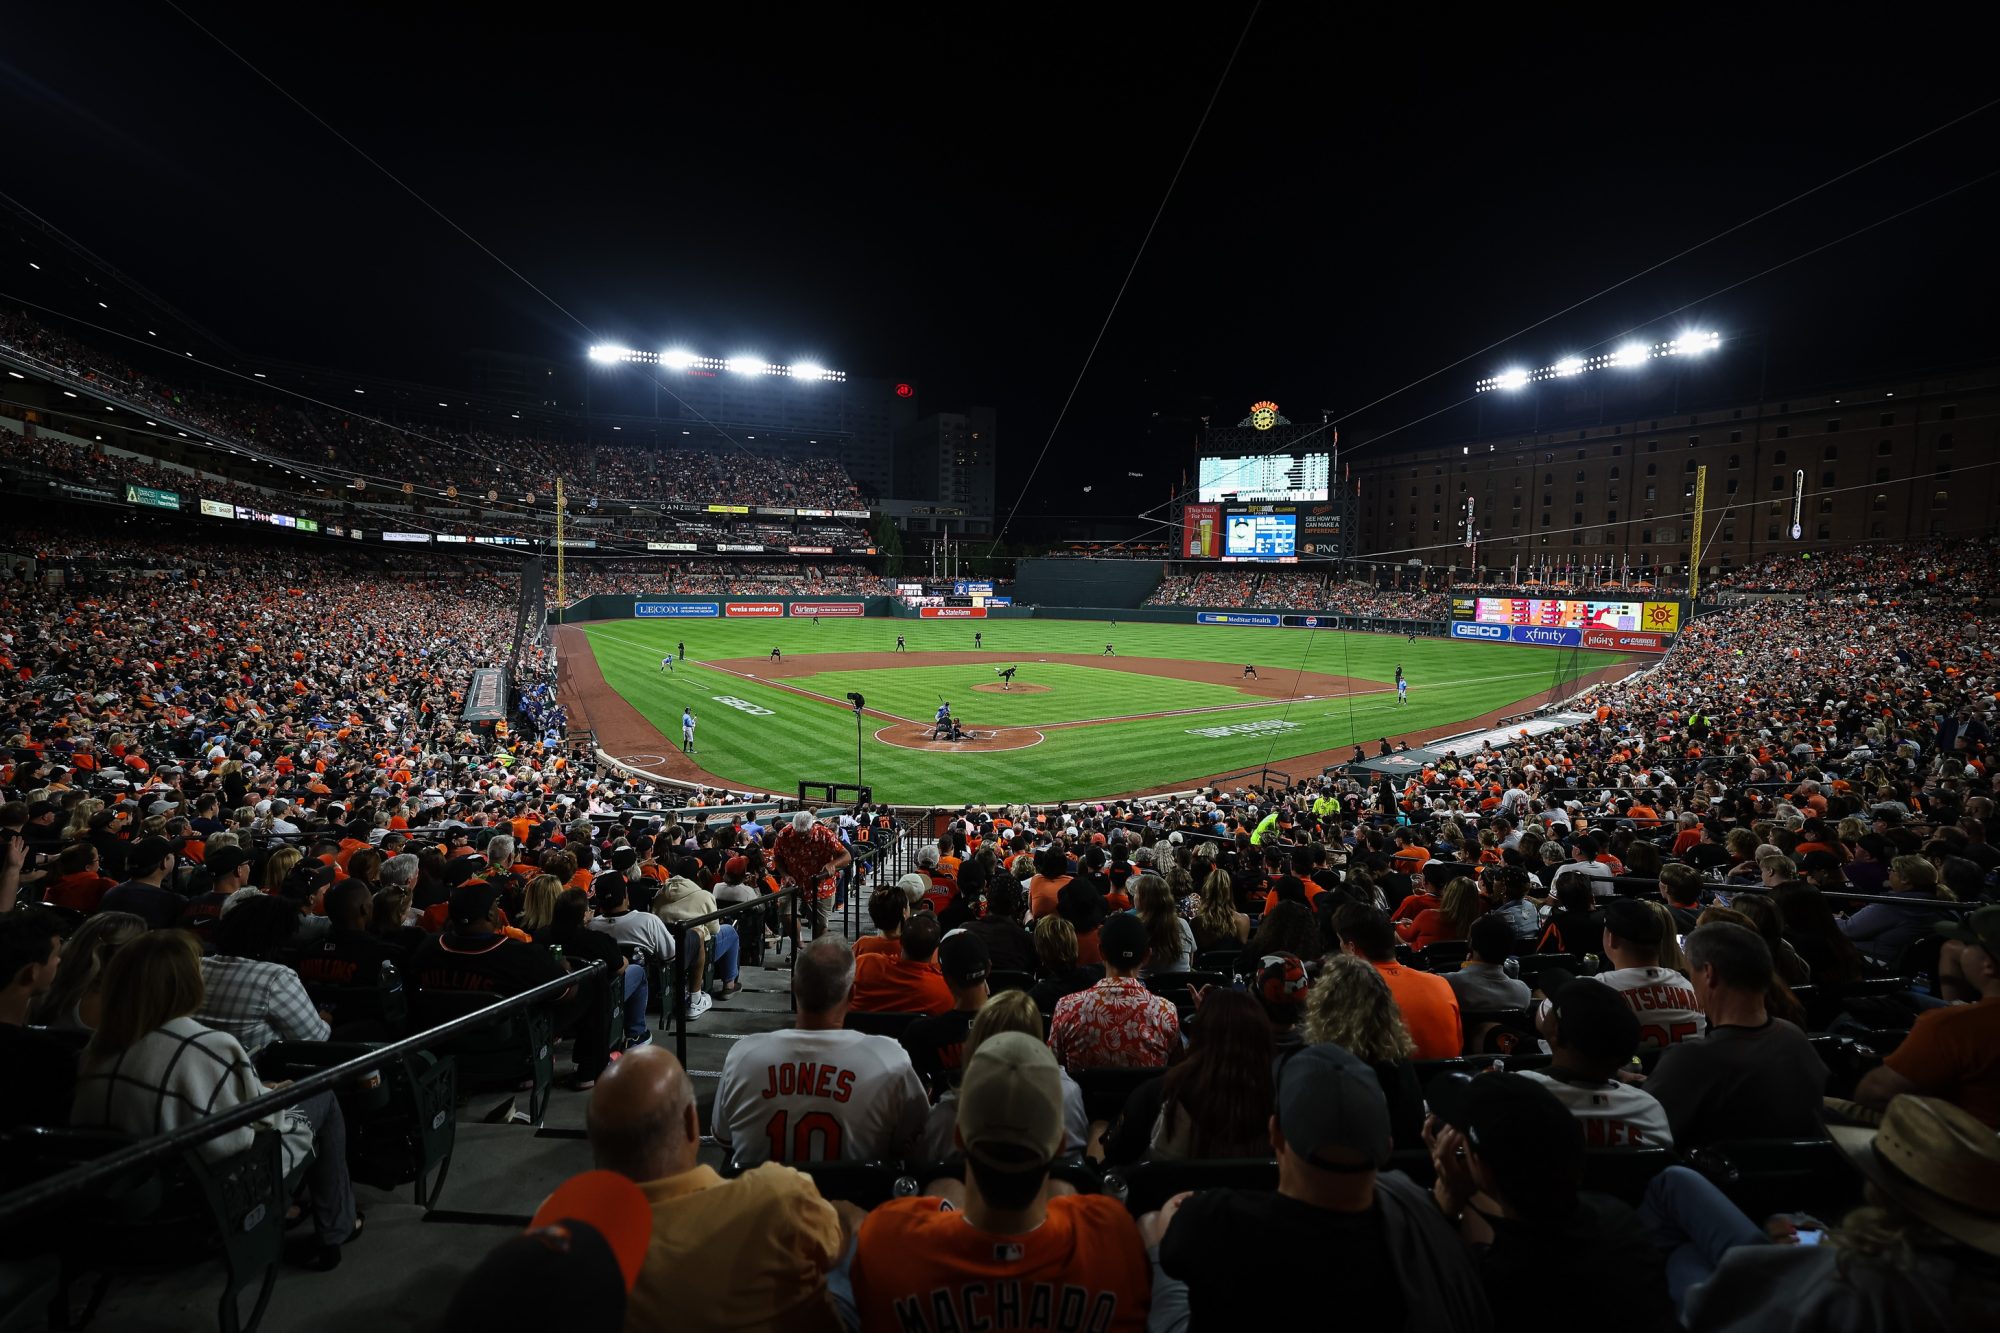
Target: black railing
{"x": 30, "y": 1197}
{"x": 680, "y": 928}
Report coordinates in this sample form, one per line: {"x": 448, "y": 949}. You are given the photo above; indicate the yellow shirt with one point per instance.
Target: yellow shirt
{"x": 752, "y": 1252}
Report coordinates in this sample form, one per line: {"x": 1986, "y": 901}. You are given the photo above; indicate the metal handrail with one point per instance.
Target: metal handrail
{"x": 30, "y": 1197}
{"x": 680, "y": 928}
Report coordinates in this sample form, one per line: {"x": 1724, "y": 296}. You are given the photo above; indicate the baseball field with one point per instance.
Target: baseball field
{"x": 1172, "y": 706}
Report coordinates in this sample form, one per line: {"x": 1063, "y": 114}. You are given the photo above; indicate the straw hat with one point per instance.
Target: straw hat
{"x": 1937, "y": 1162}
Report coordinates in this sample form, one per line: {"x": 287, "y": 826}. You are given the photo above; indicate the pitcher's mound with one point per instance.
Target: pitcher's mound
{"x": 995, "y": 687}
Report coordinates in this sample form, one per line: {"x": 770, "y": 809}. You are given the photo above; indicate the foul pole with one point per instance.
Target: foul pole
{"x": 562, "y": 602}
{"x": 1694, "y": 551}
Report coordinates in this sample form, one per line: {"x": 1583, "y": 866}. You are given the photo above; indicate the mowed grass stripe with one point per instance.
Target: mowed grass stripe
{"x": 806, "y": 739}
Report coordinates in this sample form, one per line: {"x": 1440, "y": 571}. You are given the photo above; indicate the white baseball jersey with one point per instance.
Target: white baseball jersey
{"x": 1614, "y": 1114}
{"x": 799, "y": 1096}
{"x": 1664, "y": 1001}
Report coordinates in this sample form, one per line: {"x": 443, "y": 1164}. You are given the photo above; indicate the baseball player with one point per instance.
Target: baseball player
{"x": 777, "y": 655}
{"x": 815, "y": 617}
{"x": 900, "y": 646}
{"x": 820, "y": 1094}
{"x": 667, "y": 662}
{"x": 687, "y": 731}
{"x": 1402, "y": 688}
{"x": 976, "y": 640}
{"x": 1250, "y": 672}
{"x": 681, "y": 651}
{"x": 1007, "y": 677}
{"x": 941, "y": 723}
{"x": 1108, "y": 652}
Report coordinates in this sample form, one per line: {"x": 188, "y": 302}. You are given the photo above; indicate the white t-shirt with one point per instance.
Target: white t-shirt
{"x": 1664, "y": 1001}
{"x": 820, "y": 1096}
{"x": 640, "y": 928}
{"x": 1614, "y": 1114}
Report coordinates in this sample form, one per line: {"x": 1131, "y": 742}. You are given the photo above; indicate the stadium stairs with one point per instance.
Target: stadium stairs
{"x": 401, "y": 1272}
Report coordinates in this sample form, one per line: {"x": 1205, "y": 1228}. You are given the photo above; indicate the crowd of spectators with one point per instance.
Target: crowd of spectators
{"x": 713, "y": 578}
{"x": 1740, "y": 905}
{"x": 1938, "y": 565}
{"x": 1241, "y": 587}
{"x": 475, "y": 462}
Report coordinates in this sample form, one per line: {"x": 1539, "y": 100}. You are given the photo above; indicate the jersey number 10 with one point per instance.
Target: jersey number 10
{"x": 812, "y": 1125}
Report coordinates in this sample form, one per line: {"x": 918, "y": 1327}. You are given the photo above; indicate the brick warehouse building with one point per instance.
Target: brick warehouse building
{"x": 1882, "y": 460}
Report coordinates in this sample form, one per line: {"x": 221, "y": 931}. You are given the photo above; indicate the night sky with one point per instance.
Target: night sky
{"x": 952, "y": 195}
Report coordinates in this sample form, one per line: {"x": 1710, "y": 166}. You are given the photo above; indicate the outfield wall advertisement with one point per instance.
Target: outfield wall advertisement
{"x": 673, "y": 610}
{"x": 1234, "y": 618}
{"x": 1570, "y": 613}
{"x": 1562, "y": 636}
{"x": 952, "y": 612}
{"x": 829, "y": 609}
{"x": 753, "y": 609}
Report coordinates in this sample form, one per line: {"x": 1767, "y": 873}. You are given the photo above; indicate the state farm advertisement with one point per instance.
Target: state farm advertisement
{"x": 753, "y": 609}
{"x": 827, "y": 608}
{"x": 1624, "y": 641}
{"x": 952, "y": 612}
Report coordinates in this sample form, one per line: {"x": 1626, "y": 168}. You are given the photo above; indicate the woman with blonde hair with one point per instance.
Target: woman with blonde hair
{"x": 1451, "y": 919}
{"x": 538, "y": 905}
{"x": 1217, "y": 923}
{"x": 79, "y": 818}
{"x": 1007, "y": 1011}
{"x": 1350, "y": 1007}
{"x": 74, "y": 1001}
{"x": 278, "y": 868}
{"x": 1055, "y": 948}
{"x": 151, "y": 1069}
{"x": 1671, "y": 955}
{"x": 1169, "y": 938}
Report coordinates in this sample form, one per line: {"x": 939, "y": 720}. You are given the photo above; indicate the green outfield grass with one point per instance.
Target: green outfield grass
{"x": 803, "y": 738}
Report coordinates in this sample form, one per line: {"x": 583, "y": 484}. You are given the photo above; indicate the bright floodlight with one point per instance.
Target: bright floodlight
{"x": 746, "y": 365}
{"x": 1511, "y": 379}
{"x": 677, "y": 358}
{"x": 1693, "y": 344}
{"x": 807, "y": 370}
{"x": 605, "y": 353}
{"x": 1569, "y": 365}
{"x": 1632, "y": 354}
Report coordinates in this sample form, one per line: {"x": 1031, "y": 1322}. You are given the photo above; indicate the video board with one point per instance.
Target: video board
{"x": 1261, "y": 536}
{"x": 1284, "y": 478}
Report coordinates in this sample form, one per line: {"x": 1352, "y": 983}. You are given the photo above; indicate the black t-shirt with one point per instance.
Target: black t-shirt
{"x": 41, "y": 1073}
{"x": 1051, "y": 989}
{"x": 344, "y": 958}
{"x": 1009, "y": 946}
{"x": 937, "y": 1043}
{"x": 1603, "y": 1259}
{"x": 1741, "y": 1083}
{"x": 493, "y": 963}
{"x": 161, "y": 907}
{"x": 1293, "y": 1260}
{"x": 584, "y": 945}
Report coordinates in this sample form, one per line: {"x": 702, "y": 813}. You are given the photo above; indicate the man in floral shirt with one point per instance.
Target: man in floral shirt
{"x": 1117, "y": 1023}
{"x": 808, "y": 853}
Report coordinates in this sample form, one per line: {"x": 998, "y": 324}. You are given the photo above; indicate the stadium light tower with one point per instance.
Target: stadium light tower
{"x": 1628, "y": 356}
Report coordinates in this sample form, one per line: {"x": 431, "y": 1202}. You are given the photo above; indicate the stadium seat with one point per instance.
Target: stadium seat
{"x": 891, "y": 1025}
{"x": 1635, "y": 886}
{"x": 1001, "y": 979}
{"x": 1530, "y": 966}
{"x": 379, "y": 999}
{"x": 399, "y": 1129}
{"x": 165, "y": 1217}
{"x": 1872, "y": 996}
{"x": 1765, "y": 1176}
{"x": 863, "y": 1184}
{"x": 1218, "y": 960}
{"x": 1106, "y": 1090}
{"x": 513, "y": 1050}
{"x": 1144, "y": 1186}
{"x": 1444, "y": 956}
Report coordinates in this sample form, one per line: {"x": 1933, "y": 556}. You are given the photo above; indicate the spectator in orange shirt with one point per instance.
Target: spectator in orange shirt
{"x": 886, "y": 908}
{"x": 78, "y": 884}
{"x": 1051, "y": 873}
{"x": 907, "y": 983}
{"x": 1427, "y": 1003}
{"x": 1410, "y": 855}
{"x": 1450, "y": 920}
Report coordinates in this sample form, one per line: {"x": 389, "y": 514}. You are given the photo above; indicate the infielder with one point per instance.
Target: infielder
{"x": 1107, "y": 651}
{"x": 1402, "y": 688}
{"x": 900, "y": 647}
{"x": 1250, "y": 672}
{"x": 976, "y": 641}
{"x": 687, "y": 731}
{"x": 667, "y": 662}
{"x": 777, "y": 655}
